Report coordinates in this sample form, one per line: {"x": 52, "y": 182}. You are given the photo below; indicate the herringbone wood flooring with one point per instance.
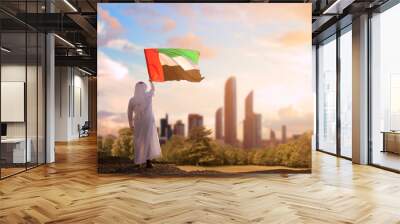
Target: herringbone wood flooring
{"x": 71, "y": 191}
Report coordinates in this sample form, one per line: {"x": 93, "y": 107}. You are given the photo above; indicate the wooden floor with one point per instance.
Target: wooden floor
{"x": 71, "y": 191}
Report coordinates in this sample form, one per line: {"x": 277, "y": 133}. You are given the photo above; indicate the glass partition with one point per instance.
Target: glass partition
{"x": 346, "y": 93}
{"x": 22, "y": 91}
{"x": 385, "y": 89}
{"x": 327, "y": 95}
{"x": 14, "y": 155}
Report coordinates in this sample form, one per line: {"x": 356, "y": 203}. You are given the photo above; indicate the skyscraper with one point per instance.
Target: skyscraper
{"x": 251, "y": 125}
{"x": 248, "y": 123}
{"x": 165, "y": 129}
{"x": 218, "y": 124}
{"x": 272, "y": 142}
{"x": 258, "y": 130}
{"x": 284, "y": 137}
{"x": 179, "y": 128}
{"x": 194, "y": 120}
{"x": 230, "y": 130}
{"x": 272, "y": 136}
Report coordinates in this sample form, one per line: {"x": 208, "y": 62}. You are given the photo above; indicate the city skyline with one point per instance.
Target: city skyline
{"x": 270, "y": 57}
{"x": 178, "y": 128}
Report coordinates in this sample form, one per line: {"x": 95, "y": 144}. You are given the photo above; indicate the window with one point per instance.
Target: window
{"x": 385, "y": 89}
{"x": 327, "y": 95}
{"x": 346, "y": 92}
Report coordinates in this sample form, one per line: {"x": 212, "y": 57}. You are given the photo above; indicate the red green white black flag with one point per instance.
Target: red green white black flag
{"x": 167, "y": 64}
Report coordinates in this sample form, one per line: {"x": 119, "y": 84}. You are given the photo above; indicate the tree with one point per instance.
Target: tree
{"x": 105, "y": 145}
{"x": 123, "y": 145}
{"x": 199, "y": 150}
{"x": 172, "y": 149}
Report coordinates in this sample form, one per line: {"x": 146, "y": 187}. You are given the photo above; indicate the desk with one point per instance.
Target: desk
{"x": 15, "y": 148}
{"x": 391, "y": 141}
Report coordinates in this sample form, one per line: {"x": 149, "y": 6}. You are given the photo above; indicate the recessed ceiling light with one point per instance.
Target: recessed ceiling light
{"x": 70, "y": 5}
{"x": 84, "y": 71}
{"x": 64, "y": 40}
{"x": 5, "y": 50}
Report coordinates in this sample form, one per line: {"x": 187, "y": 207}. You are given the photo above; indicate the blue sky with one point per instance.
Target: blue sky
{"x": 267, "y": 47}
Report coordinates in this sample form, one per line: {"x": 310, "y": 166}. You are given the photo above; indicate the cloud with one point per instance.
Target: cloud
{"x": 285, "y": 40}
{"x": 191, "y": 41}
{"x": 295, "y": 38}
{"x": 107, "y": 66}
{"x": 297, "y": 121}
{"x": 108, "y": 27}
{"x": 258, "y": 13}
{"x": 115, "y": 86}
{"x": 111, "y": 21}
{"x": 104, "y": 114}
{"x": 150, "y": 19}
{"x": 168, "y": 24}
{"x": 123, "y": 45}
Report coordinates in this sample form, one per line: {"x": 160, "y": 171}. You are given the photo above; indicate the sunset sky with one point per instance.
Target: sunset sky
{"x": 267, "y": 47}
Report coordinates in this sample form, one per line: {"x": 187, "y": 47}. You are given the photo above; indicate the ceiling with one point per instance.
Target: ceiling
{"x": 73, "y": 21}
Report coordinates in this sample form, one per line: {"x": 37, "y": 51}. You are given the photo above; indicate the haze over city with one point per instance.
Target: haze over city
{"x": 271, "y": 57}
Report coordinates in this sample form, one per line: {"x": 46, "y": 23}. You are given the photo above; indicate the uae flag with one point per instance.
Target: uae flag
{"x": 166, "y": 64}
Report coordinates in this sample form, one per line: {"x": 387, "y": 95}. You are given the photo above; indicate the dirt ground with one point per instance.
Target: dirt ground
{"x": 160, "y": 169}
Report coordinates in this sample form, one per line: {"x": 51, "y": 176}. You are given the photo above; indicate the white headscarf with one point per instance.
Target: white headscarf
{"x": 140, "y": 99}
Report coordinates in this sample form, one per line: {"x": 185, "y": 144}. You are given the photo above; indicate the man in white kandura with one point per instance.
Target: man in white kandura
{"x": 146, "y": 143}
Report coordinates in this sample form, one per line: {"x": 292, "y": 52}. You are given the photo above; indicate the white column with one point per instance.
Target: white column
{"x": 50, "y": 99}
{"x": 360, "y": 90}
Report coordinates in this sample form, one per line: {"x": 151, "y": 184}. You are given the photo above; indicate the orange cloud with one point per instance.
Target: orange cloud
{"x": 168, "y": 24}
{"x": 288, "y": 39}
{"x": 108, "y": 27}
{"x": 191, "y": 41}
{"x": 109, "y": 20}
{"x": 294, "y": 38}
{"x": 151, "y": 19}
{"x": 259, "y": 13}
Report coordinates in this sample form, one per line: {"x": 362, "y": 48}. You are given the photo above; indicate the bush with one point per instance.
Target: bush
{"x": 199, "y": 149}
{"x": 123, "y": 145}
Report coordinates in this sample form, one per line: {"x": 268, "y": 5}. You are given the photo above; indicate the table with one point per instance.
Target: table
{"x": 13, "y": 150}
{"x": 391, "y": 141}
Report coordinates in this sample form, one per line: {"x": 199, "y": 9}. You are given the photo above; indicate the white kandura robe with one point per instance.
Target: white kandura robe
{"x": 146, "y": 142}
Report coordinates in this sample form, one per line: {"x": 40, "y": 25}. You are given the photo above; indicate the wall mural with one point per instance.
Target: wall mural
{"x": 204, "y": 89}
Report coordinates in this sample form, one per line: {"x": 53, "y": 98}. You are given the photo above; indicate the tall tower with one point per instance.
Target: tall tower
{"x": 165, "y": 127}
{"x": 179, "y": 128}
{"x": 284, "y": 137}
{"x": 249, "y": 123}
{"x": 248, "y": 103}
{"x": 165, "y": 132}
{"x": 272, "y": 136}
{"x": 258, "y": 130}
{"x": 218, "y": 124}
{"x": 230, "y": 116}
{"x": 194, "y": 120}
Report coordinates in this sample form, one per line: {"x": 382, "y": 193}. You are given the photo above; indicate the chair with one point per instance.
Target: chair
{"x": 84, "y": 130}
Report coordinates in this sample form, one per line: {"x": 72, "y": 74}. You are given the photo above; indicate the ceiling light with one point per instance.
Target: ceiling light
{"x": 84, "y": 71}
{"x": 337, "y": 7}
{"x": 5, "y": 50}
{"x": 70, "y": 5}
{"x": 64, "y": 40}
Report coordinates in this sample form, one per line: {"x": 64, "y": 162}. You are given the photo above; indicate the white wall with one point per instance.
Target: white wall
{"x": 71, "y": 87}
